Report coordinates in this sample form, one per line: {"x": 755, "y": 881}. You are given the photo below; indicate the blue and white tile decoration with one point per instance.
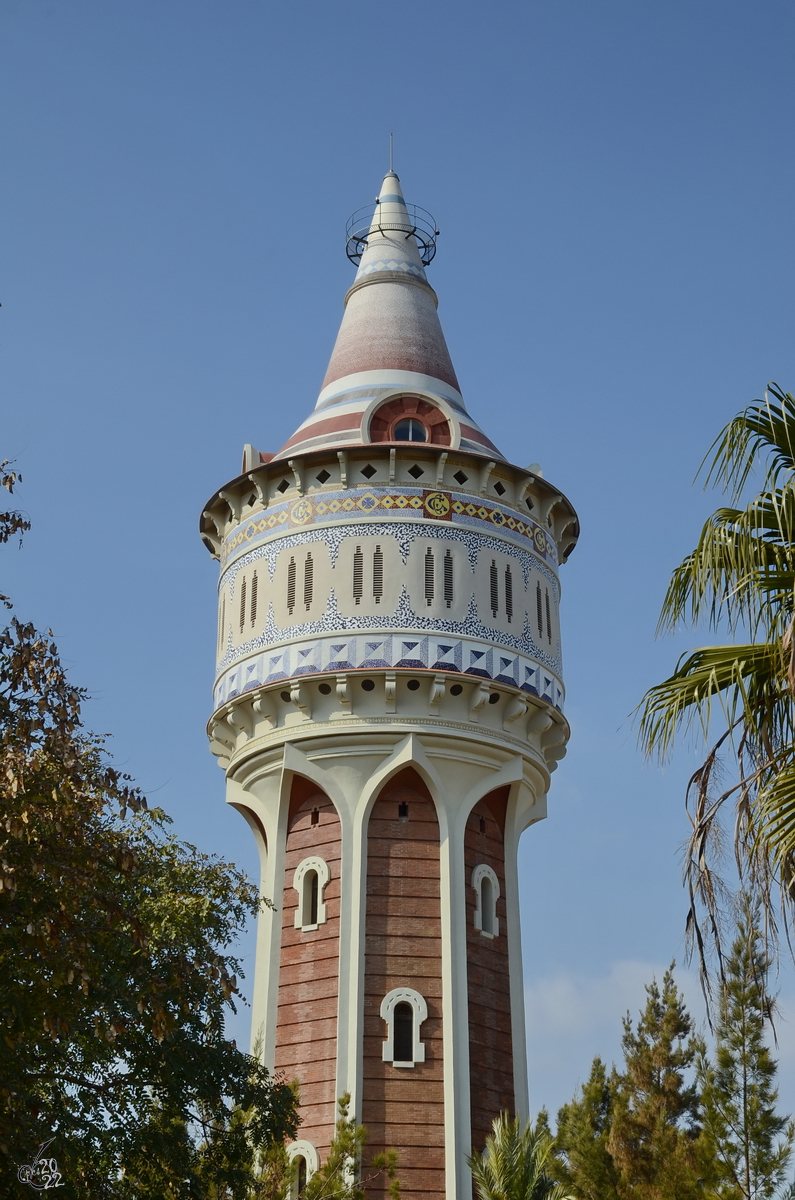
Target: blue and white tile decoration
{"x": 362, "y": 652}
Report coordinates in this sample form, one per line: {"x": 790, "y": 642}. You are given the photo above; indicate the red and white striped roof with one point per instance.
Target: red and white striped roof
{"x": 390, "y": 344}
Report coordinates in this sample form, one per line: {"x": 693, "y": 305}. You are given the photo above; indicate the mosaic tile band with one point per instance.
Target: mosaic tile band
{"x": 364, "y": 652}
{"x": 386, "y": 504}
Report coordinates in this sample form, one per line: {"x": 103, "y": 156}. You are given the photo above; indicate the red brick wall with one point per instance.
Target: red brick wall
{"x": 306, "y": 1031}
{"x": 490, "y": 1048}
{"x": 403, "y": 1107}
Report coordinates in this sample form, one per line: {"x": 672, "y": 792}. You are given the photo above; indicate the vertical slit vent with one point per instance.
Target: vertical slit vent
{"x": 549, "y": 619}
{"x": 429, "y": 576}
{"x": 309, "y": 578}
{"x": 495, "y": 603}
{"x": 253, "y": 604}
{"x": 291, "y": 586}
{"x": 378, "y": 574}
{"x": 448, "y": 579}
{"x": 358, "y": 574}
{"x": 242, "y": 605}
{"x": 538, "y": 611}
{"x": 221, "y": 625}
{"x": 508, "y": 593}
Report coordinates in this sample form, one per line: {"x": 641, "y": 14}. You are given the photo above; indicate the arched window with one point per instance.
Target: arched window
{"x": 309, "y": 880}
{"x": 410, "y": 430}
{"x": 487, "y": 891}
{"x": 303, "y": 1159}
{"x": 404, "y": 1010}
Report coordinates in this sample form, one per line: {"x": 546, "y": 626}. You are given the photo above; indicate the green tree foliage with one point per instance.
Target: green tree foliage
{"x": 116, "y": 968}
{"x": 341, "y": 1176}
{"x": 583, "y": 1160}
{"x": 654, "y": 1133}
{"x": 748, "y": 1140}
{"x": 12, "y": 521}
{"x": 516, "y": 1163}
{"x": 740, "y": 578}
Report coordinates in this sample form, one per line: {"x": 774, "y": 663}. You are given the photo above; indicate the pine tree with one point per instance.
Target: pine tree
{"x": 582, "y": 1160}
{"x": 654, "y": 1131}
{"x": 751, "y": 1143}
{"x": 340, "y": 1177}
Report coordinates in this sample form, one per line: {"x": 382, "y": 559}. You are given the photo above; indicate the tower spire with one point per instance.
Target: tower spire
{"x": 390, "y": 340}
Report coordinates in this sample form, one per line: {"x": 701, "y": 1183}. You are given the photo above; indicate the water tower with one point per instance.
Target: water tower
{"x": 388, "y": 710}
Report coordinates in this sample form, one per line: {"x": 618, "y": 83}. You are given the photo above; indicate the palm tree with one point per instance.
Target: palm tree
{"x": 513, "y": 1164}
{"x": 739, "y": 578}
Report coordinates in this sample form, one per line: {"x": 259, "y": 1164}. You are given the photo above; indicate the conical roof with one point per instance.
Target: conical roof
{"x": 390, "y": 342}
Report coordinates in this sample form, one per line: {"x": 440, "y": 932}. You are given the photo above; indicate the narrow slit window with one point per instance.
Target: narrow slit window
{"x": 549, "y": 618}
{"x": 486, "y": 905}
{"x": 494, "y": 582}
{"x": 404, "y": 1033}
{"x": 253, "y": 604}
{"x": 309, "y": 581}
{"x": 242, "y": 605}
{"x": 508, "y": 593}
{"x": 378, "y": 574}
{"x": 222, "y": 625}
{"x": 539, "y": 614}
{"x": 309, "y": 880}
{"x": 291, "y": 586}
{"x": 429, "y": 577}
{"x": 312, "y": 891}
{"x": 448, "y": 579}
{"x": 358, "y": 574}
{"x": 486, "y": 886}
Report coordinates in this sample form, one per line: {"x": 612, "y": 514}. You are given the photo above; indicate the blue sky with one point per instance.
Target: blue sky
{"x": 613, "y": 183}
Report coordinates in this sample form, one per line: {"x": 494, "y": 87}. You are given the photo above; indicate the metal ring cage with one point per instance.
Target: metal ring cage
{"x": 364, "y": 224}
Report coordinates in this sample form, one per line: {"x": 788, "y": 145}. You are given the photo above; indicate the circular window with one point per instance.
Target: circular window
{"x": 410, "y": 430}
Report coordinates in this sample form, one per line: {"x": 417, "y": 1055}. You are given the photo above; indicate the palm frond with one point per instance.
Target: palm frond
{"x": 741, "y": 570}
{"x": 765, "y": 430}
{"x": 744, "y": 678}
{"x": 776, "y": 817}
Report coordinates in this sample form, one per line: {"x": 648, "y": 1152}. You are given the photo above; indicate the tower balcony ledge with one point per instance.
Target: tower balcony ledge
{"x": 470, "y": 715}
